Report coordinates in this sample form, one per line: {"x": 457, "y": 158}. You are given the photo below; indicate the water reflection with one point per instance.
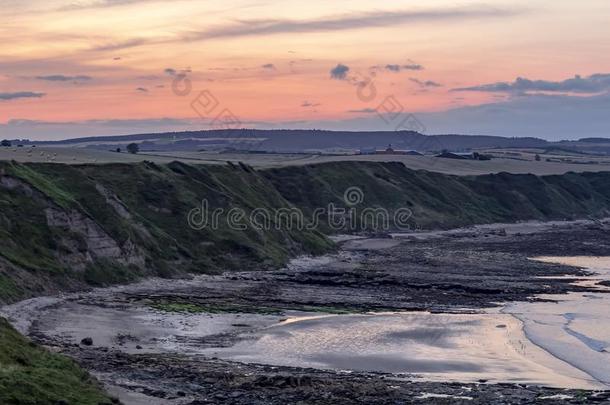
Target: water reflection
{"x": 576, "y": 328}
{"x": 564, "y": 343}
{"x": 440, "y": 347}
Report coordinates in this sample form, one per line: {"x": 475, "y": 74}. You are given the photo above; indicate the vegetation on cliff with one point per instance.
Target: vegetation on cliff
{"x": 69, "y": 226}
{"x": 30, "y": 375}
{"x": 441, "y": 201}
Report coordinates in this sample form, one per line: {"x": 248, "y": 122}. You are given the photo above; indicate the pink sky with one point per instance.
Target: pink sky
{"x": 71, "y": 62}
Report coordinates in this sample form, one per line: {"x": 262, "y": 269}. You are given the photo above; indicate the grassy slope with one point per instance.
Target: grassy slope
{"x": 157, "y": 200}
{"x": 31, "y": 375}
{"x": 444, "y": 201}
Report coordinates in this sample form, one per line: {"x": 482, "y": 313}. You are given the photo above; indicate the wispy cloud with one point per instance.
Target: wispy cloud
{"x": 64, "y": 78}
{"x": 268, "y": 66}
{"x": 20, "y": 94}
{"x": 425, "y": 83}
{"x": 398, "y": 68}
{"x": 40, "y": 129}
{"x": 593, "y": 84}
{"x": 102, "y": 4}
{"x": 346, "y": 22}
{"x": 256, "y": 27}
{"x": 363, "y": 111}
{"x": 174, "y": 72}
{"x": 120, "y": 45}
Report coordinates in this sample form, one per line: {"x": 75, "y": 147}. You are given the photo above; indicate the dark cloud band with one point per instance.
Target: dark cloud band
{"x": 596, "y": 83}
{"x": 20, "y": 94}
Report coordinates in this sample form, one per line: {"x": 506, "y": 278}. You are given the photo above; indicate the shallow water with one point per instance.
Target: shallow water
{"x": 576, "y": 328}
{"x": 565, "y": 343}
{"x": 438, "y": 347}
{"x": 562, "y": 344}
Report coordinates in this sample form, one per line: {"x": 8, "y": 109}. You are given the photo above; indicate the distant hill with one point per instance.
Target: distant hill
{"x": 301, "y": 140}
{"x": 323, "y": 141}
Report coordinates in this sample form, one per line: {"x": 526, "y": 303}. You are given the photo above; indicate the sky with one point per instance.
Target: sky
{"x": 104, "y": 67}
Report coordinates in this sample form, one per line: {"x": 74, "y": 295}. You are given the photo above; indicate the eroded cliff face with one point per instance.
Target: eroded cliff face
{"x": 88, "y": 241}
{"x": 81, "y": 240}
{"x": 67, "y": 227}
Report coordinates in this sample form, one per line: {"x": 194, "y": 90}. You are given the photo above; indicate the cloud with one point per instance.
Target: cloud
{"x": 269, "y": 66}
{"x": 20, "y": 94}
{"x": 102, "y": 4}
{"x": 398, "y": 68}
{"x": 552, "y": 117}
{"x": 117, "y": 46}
{"x": 174, "y": 72}
{"x": 142, "y": 89}
{"x": 413, "y": 66}
{"x": 346, "y": 22}
{"x": 363, "y": 111}
{"x": 593, "y": 84}
{"x": 309, "y": 104}
{"x": 339, "y": 72}
{"x": 64, "y": 78}
{"x": 148, "y": 77}
{"x": 256, "y": 27}
{"x": 47, "y": 130}
{"x": 425, "y": 83}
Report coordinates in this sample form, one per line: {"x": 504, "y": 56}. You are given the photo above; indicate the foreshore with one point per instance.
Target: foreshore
{"x": 203, "y": 340}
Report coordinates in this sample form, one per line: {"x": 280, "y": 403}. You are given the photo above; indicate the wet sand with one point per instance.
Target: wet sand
{"x": 576, "y": 326}
{"x": 434, "y": 347}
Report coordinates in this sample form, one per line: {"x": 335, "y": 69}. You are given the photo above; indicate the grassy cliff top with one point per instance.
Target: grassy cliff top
{"x": 30, "y": 375}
